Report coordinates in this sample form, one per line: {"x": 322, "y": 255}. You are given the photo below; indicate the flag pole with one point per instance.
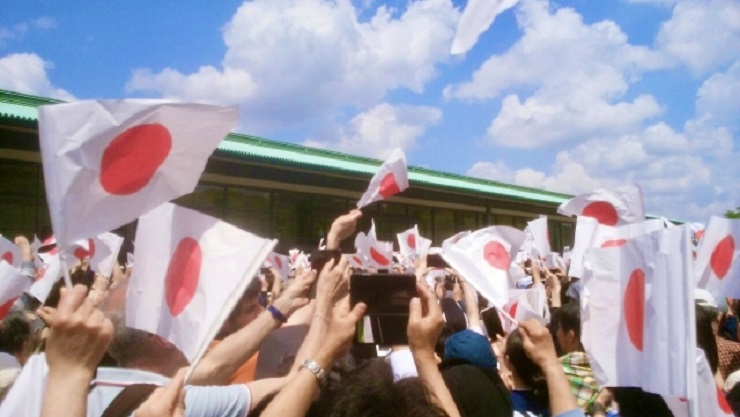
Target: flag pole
{"x": 65, "y": 268}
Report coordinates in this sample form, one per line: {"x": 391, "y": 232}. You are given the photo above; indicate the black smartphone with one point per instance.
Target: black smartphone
{"x": 387, "y": 297}
{"x": 436, "y": 261}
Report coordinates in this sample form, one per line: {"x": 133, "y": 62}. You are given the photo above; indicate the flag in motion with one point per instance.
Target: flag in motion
{"x": 391, "y": 179}
{"x": 610, "y": 207}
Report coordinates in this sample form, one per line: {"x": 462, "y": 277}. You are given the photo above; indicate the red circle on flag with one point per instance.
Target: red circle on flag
{"x": 5, "y": 308}
{"x": 634, "y": 307}
{"x": 512, "y": 310}
{"x": 379, "y": 257}
{"x": 183, "y": 274}
{"x": 8, "y": 257}
{"x": 722, "y": 401}
{"x": 388, "y": 186}
{"x": 358, "y": 261}
{"x": 603, "y": 212}
{"x": 411, "y": 241}
{"x": 699, "y": 234}
{"x": 721, "y": 258}
{"x": 81, "y": 253}
{"x": 496, "y": 255}
{"x": 278, "y": 262}
{"x": 133, "y": 157}
{"x": 612, "y": 243}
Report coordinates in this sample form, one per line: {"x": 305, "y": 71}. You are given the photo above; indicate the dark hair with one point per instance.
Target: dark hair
{"x": 634, "y": 402}
{"x": 85, "y": 277}
{"x": 568, "y": 317}
{"x": 369, "y": 391}
{"x": 492, "y": 322}
{"x": 15, "y": 330}
{"x": 705, "y": 336}
{"x": 439, "y": 347}
{"x": 527, "y": 370}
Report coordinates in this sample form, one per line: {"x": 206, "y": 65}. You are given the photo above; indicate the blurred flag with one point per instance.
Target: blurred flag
{"x": 391, "y": 179}
{"x": 10, "y": 252}
{"x": 12, "y": 286}
{"x": 717, "y": 264}
{"x": 610, "y": 207}
{"x": 540, "y": 236}
{"x": 102, "y": 251}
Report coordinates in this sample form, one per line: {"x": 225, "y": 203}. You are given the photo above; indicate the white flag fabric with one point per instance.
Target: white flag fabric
{"x": 525, "y": 305}
{"x": 10, "y": 252}
{"x": 281, "y": 263}
{"x": 108, "y": 162}
{"x": 718, "y": 258}
{"x": 12, "y": 286}
{"x": 46, "y": 276}
{"x": 709, "y": 398}
{"x": 379, "y": 254}
{"x": 408, "y": 241}
{"x": 483, "y": 258}
{"x": 591, "y": 234}
{"x": 391, "y": 179}
{"x": 610, "y": 207}
{"x": 455, "y": 238}
{"x": 631, "y": 300}
{"x": 27, "y": 393}
{"x": 357, "y": 260}
{"x": 540, "y": 236}
{"x": 476, "y": 19}
{"x": 191, "y": 269}
{"x": 102, "y": 251}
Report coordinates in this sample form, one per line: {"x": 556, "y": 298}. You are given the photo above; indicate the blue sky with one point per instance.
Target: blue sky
{"x": 567, "y": 95}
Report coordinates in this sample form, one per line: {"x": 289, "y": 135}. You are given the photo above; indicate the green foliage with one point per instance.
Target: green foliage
{"x": 733, "y": 214}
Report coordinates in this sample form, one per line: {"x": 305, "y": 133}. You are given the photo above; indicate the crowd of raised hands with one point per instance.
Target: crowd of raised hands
{"x": 79, "y": 334}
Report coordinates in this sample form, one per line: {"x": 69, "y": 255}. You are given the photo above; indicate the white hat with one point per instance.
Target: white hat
{"x": 704, "y": 298}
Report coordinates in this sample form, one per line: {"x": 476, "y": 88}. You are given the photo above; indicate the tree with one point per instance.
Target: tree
{"x": 733, "y": 214}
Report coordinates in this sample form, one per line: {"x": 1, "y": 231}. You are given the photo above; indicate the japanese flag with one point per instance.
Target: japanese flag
{"x": 718, "y": 258}
{"x": 281, "y": 263}
{"x": 476, "y": 19}
{"x": 391, "y": 179}
{"x": 12, "y": 286}
{"x": 525, "y": 305}
{"x": 101, "y": 250}
{"x": 357, "y": 260}
{"x": 191, "y": 269}
{"x": 379, "y": 254}
{"x": 614, "y": 207}
{"x": 632, "y": 299}
{"x": 698, "y": 230}
{"x": 484, "y": 257}
{"x": 591, "y": 234}
{"x": 540, "y": 236}
{"x": 46, "y": 276}
{"x": 411, "y": 244}
{"x": 108, "y": 162}
{"x": 455, "y": 238}
{"x": 10, "y": 252}
{"x": 708, "y": 400}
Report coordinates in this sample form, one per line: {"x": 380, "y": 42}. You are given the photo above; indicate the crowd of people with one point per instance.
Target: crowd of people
{"x": 288, "y": 349}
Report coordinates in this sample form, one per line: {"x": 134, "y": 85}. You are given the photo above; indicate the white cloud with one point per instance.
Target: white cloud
{"x": 702, "y": 34}
{"x": 307, "y": 58}
{"x": 381, "y": 129}
{"x": 719, "y": 97}
{"x": 19, "y": 30}
{"x": 26, "y": 73}
{"x": 578, "y": 71}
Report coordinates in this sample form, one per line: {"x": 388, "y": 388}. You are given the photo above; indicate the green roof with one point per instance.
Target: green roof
{"x": 23, "y": 107}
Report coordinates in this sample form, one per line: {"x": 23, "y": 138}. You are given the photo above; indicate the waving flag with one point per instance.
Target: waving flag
{"x": 525, "y": 305}
{"x": 391, "y": 179}
{"x": 281, "y": 263}
{"x": 108, "y": 162}
{"x": 357, "y": 260}
{"x": 46, "y": 276}
{"x": 484, "y": 257}
{"x": 10, "y": 252}
{"x": 631, "y": 299}
{"x": 614, "y": 207}
{"x": 455, "y": 238}
{"x": 102, "y": 251}
{"x": 540, "y": 236}
{"x": 411, "y": 244}
{"x": 476, "y": 19}
{"x": 191, "y": 269}
{"x": 12, "y": 286}
{"x": 591, "y": 234}
{"x": 718, "y": 258}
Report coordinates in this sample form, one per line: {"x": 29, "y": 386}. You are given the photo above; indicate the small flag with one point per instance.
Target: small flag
{"x": 391, "y": 179}
{"x": 610, "y": 207}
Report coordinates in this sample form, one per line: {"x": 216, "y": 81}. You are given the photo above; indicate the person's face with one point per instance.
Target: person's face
{"x": 564, "y": 339}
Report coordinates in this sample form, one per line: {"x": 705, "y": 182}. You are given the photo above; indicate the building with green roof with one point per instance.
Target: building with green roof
{"x": 285, "y": 191}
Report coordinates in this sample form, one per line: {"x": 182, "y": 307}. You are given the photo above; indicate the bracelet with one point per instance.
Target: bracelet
{"x": 276, "y": 314}
{"x": 322, "y": 317}
{"x": 317, "y": 371}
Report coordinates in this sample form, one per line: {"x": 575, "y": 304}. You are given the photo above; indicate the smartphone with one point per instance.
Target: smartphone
{"x": 436, "y": 261}
{"x": 387, "y": 297}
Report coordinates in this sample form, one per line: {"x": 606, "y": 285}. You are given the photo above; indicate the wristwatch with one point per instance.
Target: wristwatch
{"x": 315, "y": 369}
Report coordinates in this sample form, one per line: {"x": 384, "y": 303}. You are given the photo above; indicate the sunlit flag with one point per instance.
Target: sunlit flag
{"x": 10, "y": 252}
{"x": 718, "y": 258}
{"x": 191, "y": 269}
{"x": 108, "y": 162}
{"x": 102, "y": 251}
{"x": 12, "y": 286}
{"x": 391, "y": 179}
{"x": 610, "y": 207}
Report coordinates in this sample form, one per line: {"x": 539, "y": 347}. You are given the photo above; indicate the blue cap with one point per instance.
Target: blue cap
{"x": 471, "y": 347}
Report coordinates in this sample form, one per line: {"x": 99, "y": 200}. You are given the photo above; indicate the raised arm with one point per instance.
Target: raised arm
{"x": 78, "y": 338}
{"x": 217, "y": 367}
{"x": 425, "y": 325}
